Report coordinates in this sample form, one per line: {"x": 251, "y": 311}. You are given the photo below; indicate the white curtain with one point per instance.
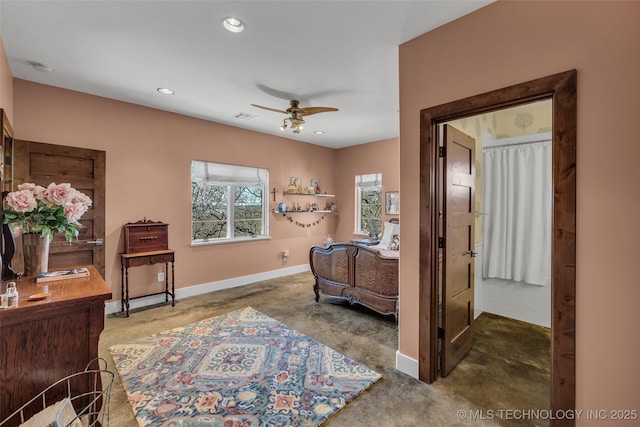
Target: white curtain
{"x": 517, "y": 203}
{"x": 368, "y": 181}
{"x": 204, "y": 173}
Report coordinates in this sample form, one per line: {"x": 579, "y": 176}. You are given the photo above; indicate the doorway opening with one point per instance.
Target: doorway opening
{"x": 505, "y": 258}
{"x": 561, "y": 89}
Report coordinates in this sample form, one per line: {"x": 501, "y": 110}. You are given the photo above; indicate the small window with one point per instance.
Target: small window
{"x": 228, "y": 203}
{"x": 368, "y": 203}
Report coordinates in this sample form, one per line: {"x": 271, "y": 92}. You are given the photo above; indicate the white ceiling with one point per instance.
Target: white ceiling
{"x": 340, "y": 54}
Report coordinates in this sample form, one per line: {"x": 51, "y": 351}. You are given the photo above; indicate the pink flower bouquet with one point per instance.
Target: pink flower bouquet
{"x": 54, "y": 209}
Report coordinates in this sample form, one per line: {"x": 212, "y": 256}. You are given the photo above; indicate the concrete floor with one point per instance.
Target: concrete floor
{"x": 496, "y": 375}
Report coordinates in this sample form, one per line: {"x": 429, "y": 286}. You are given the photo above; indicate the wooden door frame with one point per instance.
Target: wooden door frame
{"x": 561, "y": 88}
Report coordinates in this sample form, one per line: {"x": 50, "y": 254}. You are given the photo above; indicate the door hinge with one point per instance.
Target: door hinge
{"x": 442, "y": 151}
{"x": 441, "y": 333}
{"x": 441, "y": 242}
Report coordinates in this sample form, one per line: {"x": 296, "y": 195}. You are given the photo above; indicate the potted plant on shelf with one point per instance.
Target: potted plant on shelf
{"x": 41, "y": 213}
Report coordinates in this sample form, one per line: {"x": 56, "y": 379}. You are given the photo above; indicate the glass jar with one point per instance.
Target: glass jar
{"x": 12, "y": 295}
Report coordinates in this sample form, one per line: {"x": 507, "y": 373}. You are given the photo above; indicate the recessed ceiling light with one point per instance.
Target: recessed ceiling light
{"x": 165, "y": 91}
{"x": 319, "y": 132}
{"x": 232, "y": 24}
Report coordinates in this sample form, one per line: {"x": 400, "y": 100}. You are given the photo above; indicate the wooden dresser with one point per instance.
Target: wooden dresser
{"x": 44, "y": 341}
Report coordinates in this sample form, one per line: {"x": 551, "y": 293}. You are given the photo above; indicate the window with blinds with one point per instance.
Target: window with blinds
{"x": 228, "y": 203}
{"x": 368, "y": 203}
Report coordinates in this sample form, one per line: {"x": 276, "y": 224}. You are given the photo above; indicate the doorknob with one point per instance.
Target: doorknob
{"x": 97, "y": 242}
{"x": 472, "y": 253}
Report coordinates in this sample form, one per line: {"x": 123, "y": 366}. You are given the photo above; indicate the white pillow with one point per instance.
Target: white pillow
{"x": 387, "y": 235}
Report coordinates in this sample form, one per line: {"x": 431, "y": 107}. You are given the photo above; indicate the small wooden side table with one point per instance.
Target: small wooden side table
{"x": 165, "y": 257}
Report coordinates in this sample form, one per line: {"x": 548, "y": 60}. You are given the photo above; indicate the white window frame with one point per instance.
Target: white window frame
{"x": 366, "y": 182}
{"x": 221, "y": 174}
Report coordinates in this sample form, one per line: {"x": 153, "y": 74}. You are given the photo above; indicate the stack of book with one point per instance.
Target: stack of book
{"x": 62, "y": 275}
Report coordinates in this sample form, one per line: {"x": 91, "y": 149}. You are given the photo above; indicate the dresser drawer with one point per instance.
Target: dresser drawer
{"x": 148, "y": 260}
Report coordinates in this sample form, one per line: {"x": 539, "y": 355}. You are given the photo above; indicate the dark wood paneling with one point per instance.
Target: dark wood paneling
{"x": 31, "y": 367}
{"x": 46, "y": 165}
{"x": 61, "y": 260}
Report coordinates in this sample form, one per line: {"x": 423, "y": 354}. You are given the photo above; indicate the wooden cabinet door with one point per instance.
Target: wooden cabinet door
{"x": 459, "y": 245}
{"x": 84, "y": 169}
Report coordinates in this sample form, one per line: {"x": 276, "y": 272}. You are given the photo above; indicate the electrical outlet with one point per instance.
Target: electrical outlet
{"x": 161, "y": 276}
{"x": 285, "y": 254}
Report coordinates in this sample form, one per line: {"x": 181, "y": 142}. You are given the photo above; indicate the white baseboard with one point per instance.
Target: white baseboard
{"x": 407, "y": 365}
{"x": 115, "y": 306}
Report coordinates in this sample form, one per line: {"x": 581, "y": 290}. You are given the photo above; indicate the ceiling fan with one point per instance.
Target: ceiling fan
{"x": 296, "y": 114}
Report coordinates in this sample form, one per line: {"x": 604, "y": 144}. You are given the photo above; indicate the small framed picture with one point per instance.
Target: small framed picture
{"x": 392, "y": 203}
{"x": 295, "y": 184}
{"x": 315, "y": 184}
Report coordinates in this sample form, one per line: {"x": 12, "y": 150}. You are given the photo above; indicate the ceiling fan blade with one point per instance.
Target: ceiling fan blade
{"x": 270, "y": 109}
{"x": 275, "y": 92}
{"x": 307, "y": 111}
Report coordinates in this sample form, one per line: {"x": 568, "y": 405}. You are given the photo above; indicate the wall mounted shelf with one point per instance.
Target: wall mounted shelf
{"x": 305, "y": 211}
{"x": 312, "y": 208}
{"x": 288, "y": 193}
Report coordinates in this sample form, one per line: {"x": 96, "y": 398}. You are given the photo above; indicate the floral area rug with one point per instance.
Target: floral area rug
{"x": 241, "y": 369}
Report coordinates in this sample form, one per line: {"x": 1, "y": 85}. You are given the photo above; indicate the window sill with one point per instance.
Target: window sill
{"x": 229, "y": 241}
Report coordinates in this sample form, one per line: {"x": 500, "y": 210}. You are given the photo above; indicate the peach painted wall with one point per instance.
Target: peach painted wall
{"x": 380, "y": 156}
{"x": 511, "y": 42}
{"x": 6, "y": 84}
{"x": 148, "y": 156}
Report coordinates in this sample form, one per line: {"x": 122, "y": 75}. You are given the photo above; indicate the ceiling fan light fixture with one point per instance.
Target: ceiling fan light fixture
{"x": 165, "y": 91}
{"x": 235, "y": 25}
{"x": 297, "y": 114}
{"x": 319, "y": 132}
{"x": 296, "y": 124}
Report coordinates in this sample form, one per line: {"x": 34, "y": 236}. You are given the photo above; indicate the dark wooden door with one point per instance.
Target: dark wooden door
{"x": 84, "y": 169}
{"x": 458, "y": 232}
